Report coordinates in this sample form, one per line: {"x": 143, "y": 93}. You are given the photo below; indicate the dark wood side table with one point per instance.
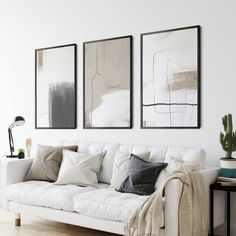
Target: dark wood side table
{"x": 228, "y": 190}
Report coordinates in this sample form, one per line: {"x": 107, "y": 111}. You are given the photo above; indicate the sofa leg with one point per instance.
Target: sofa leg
{"x": 17, "y": 220}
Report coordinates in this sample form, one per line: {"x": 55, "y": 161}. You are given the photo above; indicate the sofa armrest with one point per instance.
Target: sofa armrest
{"x": 173, "y": 191}
{"x": 13, "y": 171}
{"x": 210, "y": 174}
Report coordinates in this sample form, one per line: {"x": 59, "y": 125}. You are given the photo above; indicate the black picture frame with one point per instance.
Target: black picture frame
{"x": 130, "y": 37}
{"x": 73, "y": 117}
{"x": 198, "y": 60}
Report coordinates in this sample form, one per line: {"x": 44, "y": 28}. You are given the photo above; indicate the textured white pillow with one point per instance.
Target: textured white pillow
{"x": 120, "y": 167}
{"x": 175, "y": 166}
{"x": 79, "y": 168}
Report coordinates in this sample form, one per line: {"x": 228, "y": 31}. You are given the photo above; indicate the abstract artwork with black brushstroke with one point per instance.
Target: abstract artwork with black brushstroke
{"x": 170, "y": 79}
{"x": 56, "y": 87}
{"x": 107, "y": 83}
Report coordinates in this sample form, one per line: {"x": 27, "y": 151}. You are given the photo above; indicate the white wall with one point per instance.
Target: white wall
{"x": 26, "y": 25}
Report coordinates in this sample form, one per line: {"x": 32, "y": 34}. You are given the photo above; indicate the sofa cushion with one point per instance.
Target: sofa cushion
{"x": 79, "y": 168}
{"x": 108, "y": 204}
{"x": 47, "y": 163}
{"x": 141, "y": 176}
{"x": 41, "y": 193}
{"x": 120, "y": 167}
{"x": 158, "y": 154}
{"x": 95, "y": 147}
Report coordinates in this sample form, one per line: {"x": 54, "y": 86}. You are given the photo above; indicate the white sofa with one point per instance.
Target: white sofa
{"x": 104, "y": 208}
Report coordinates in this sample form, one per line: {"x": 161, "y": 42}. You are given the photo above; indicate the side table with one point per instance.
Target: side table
{"x": 227, "y": 189}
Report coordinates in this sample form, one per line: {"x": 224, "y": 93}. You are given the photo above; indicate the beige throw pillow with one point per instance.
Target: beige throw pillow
{"x": 80, "y": 168}
{"x": 120, "y": 167}
{"x": 47, "y": 163}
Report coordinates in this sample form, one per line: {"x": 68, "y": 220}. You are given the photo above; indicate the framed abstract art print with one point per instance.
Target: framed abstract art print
{"x": 55, "y": 87}
{"x": 108, "y": 83}
{"x": 170, "y": 78}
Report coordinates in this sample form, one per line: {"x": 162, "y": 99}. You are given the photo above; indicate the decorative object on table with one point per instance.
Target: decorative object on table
{"x": 55, "y": 87}
{"x": 28, "y": 145}
{"x": 226, "y": 181}
{"x": 21, "y": 153}
{"x": 228, "y": 143}
{"x": 170, "y": 78}
{"x": 108, "y": 83}
{"x": 18, "y": 121}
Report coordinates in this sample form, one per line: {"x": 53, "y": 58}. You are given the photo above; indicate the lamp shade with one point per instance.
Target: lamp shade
{"x": 19, "y": 120}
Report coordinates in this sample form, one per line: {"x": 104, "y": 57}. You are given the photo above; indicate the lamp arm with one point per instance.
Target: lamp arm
{"x": 12, "y": 125}
{"x": 11, "y": 142}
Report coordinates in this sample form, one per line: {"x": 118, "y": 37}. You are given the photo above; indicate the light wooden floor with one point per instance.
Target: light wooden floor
{"x": 32, "y": 226}
{"x": 38, "y": 227}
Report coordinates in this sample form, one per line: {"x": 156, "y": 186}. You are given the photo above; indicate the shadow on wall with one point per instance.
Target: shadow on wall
{"x": 61, "y": 105}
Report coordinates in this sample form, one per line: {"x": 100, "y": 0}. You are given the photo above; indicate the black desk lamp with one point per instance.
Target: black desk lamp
{"x": 19, "y": 120}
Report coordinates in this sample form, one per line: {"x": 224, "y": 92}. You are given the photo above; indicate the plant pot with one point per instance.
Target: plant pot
{"x": 21, "y": 155}
{"x": 228, "y": 167}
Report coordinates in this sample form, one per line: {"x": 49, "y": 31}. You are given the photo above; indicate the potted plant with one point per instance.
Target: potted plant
{"x": 228, "y": 143}
{"x": 21, "y": 153}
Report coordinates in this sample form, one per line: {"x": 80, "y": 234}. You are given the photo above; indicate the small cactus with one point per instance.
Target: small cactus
{"x": 228, "y": 140}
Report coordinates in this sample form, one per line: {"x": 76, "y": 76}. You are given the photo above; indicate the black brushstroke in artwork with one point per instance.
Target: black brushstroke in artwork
{"x": 62, "y": 105}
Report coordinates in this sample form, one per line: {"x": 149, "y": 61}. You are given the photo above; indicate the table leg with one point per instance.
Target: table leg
{"x": 228, "y": 213}
{"x": 211, "y": 212}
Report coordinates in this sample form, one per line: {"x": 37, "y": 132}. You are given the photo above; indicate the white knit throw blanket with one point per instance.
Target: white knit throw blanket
{"x": 193, "y": 209}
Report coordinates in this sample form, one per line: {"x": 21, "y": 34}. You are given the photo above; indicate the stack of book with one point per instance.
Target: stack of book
{"x": 226, "y": 181}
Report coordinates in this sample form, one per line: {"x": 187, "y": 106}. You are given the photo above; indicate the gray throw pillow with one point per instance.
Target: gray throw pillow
{"x": 142, "y": 176}
{"x": 47, "y": 163}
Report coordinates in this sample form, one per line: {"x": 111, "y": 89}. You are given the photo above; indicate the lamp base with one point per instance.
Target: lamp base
{"x": 12, "y": 156}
